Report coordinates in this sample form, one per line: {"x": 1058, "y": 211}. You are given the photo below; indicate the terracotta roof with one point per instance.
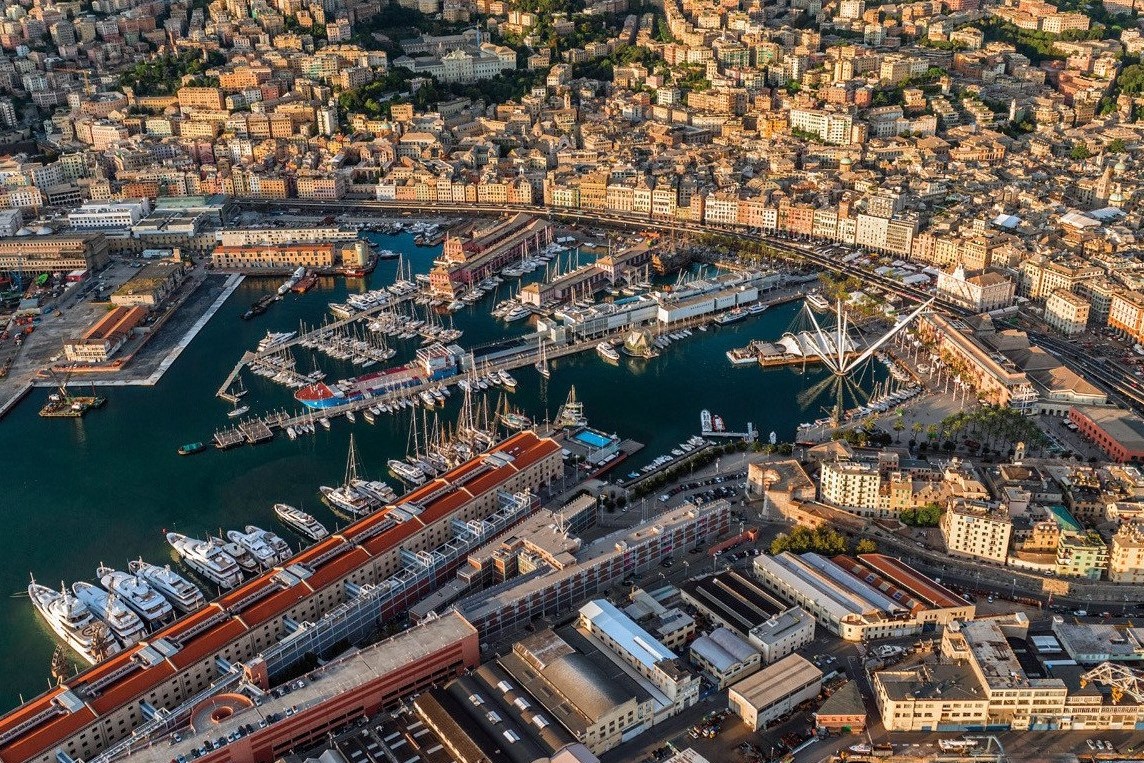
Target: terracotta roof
{"x": 46, "y": 735}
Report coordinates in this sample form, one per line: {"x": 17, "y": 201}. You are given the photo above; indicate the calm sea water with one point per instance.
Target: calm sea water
{"x": 103, "y": 489}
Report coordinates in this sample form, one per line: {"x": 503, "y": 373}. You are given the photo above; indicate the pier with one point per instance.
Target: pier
{"x": 253, "y": 356}
{"x": 527, "y": 355}
{"x": 751, "y": 434}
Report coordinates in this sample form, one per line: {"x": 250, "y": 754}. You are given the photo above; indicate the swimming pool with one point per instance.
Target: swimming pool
{"x": 591, "y": 439}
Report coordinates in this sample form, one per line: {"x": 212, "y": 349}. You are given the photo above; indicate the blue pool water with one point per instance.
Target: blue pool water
{"x": 592, "y": 439}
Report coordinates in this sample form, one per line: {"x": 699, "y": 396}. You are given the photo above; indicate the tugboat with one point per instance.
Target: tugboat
{"x": 191, "y": 448}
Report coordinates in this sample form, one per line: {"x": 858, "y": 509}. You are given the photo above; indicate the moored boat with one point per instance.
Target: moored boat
{"x": 135, "y": 593}
{"x": 184, "y": 595}
{"x": 120, "y": 619}
{"x": 608, "y": 352}
{"x": 206, "y": 559}
{"x": 300, "y": 521}
{"x": 73, "y": 622}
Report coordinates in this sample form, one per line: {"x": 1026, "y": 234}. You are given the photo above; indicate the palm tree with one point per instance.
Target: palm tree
{"x": 899, "y": 425}
{"x": 931, "y": 432}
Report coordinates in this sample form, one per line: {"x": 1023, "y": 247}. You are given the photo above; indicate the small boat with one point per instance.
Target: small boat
{"x": 191, "y": 447}
{"x": 350, "y": 416}
{"x": 756, "y": 308}
{"x": 507, "y": 380}
{"x": 238, "y": 411}
{"x": 300, "y": 521}
{"x": 369, "y": 416}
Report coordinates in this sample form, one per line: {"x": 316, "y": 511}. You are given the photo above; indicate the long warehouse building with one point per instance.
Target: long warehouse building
{"x": 283, "y": 612}
{"x": 870, "y": 597}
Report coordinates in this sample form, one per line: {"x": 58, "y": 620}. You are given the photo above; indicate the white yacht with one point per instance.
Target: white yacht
{"x": 135, "y": 593}
{"x": 300, "y": 521}
{"x": 124, "y": 624}
{"x": 406, "y": 472}
{"x": 73, "y": 622}
{"x": 254, "y": 547}
{"x": 347, "y": 499}
{"x": 517, "y": 313}
{"x": 273, "y": 540}
{"x": 376, "y": 489}
{"x": 183, "y": 594}
{"x": 274, "y": 339}
{"x": 608, "y": 352}
{"x": 206, "y": 559}
{"x": 246, "y": 561}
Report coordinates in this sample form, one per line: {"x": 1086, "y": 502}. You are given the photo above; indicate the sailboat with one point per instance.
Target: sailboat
{"x": 542, "y": 363}
{"x": 346, "y": 497}
{"x": 571, "y": 414}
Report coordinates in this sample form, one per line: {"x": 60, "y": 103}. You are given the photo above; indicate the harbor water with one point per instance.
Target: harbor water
{"x": 102, "y": 489}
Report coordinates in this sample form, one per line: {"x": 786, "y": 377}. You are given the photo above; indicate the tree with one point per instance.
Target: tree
{"x": 1131, "y": 80}
{"x": 1116, "y": 146}
{"x": 922, "y": 516}
{"x": 823, "y": 540}
{"x": 899, "y": 425}
{"x": 866, "y": 546}
{"x": 1080, "y": 152}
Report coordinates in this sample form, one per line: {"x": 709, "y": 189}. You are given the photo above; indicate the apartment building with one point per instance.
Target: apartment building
{"x": 1126, "y": 555}
{"x": 1082, "y": 555}
{"x": 851, "y": 485}
{"x": 1066, "y": 312}
{"x": 977, "y": 529}
{"x": 829, "y": 126}
{"x": 1126, "y": 314}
